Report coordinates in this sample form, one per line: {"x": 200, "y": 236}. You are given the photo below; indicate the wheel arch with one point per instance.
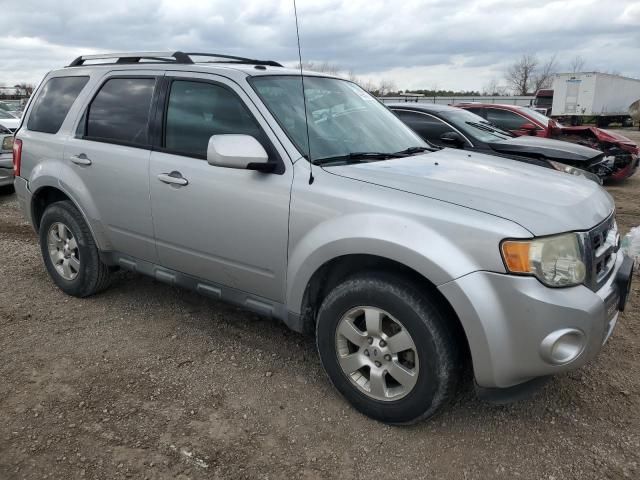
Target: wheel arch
{"x": 51, "y": 183}
{"x": 338, "y": 269}
{"x": 47, "y": 194}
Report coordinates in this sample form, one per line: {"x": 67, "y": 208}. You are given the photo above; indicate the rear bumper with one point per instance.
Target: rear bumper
{"x": 513, "y": 323}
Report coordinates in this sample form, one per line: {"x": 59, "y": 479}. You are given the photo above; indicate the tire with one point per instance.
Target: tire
{"x": 89, "y": 275}
{"x": 437, "y": 369}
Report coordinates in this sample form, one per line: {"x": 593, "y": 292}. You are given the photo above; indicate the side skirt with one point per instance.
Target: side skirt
{"x": 253, "y": 303}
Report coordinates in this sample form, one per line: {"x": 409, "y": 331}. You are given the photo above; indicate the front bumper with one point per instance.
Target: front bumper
{"x": 509, "y": 321}
{"x": 627, "y": 171}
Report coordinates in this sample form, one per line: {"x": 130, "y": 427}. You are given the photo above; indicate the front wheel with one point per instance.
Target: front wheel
{"x": 388, "y": 348}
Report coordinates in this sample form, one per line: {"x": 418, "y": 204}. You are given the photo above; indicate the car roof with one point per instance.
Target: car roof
{"x": 425, "y": 107}
{"x": 499, "y": 105}
{"x": 180, "y": 61}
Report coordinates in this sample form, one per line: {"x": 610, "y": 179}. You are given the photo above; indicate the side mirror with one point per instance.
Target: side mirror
{"x": 238, "y": 151}
{"x": 529, "y": 127}
{"x": 452, "y": 139}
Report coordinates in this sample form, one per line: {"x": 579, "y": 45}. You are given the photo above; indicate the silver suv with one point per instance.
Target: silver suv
{"x": 409, "y": 263}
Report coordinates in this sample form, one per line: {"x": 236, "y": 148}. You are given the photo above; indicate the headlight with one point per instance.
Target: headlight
{"x": 7, "y": 143}
{"x": 555, "y": 261}
{"x": 575, "y": 171}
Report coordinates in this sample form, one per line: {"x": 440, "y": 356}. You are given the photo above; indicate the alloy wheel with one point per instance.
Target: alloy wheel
{"x": 377, "y": 353}
{"x": 63, "y": 251}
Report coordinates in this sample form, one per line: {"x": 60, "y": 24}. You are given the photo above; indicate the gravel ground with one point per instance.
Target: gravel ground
{"x": 149, "y": 381}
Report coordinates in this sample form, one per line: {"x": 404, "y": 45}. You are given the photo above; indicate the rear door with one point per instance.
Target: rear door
{"x": 110, "y": 152}
{"x": 224, "y": 225}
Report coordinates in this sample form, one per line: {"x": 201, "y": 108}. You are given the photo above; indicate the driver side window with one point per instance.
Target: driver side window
{"x": 197, "y": 111}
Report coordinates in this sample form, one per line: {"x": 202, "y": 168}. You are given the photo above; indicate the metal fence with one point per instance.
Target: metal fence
{"x": 524, "y": 101}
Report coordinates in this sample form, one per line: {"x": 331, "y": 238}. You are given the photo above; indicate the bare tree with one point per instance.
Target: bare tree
{"x": 543, "y": 77}
{"x": 527, "y": 75}
{"x": 519, "y": 74}
{"x": 490, "y": 87}
{"x": 352, "y": 77}
{"x": 26, "y": 88}
{"x": 577, "y": 64}
{"x": 386, "y": 87}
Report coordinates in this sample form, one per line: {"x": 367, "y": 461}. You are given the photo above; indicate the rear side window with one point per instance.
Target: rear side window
{"x": 478, "y": 111}
{"x": 120, "y": 111}
{"x": 197, "y": 110}
{"x": 428, "y": 127}
{"x": 504, "y": 119}
{"x": 53, "y": 103}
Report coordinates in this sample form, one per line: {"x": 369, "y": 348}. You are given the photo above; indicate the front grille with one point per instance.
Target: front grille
{"x": 602, "y": 243}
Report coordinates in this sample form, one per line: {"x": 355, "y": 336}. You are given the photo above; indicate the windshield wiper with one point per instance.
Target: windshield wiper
{"x": 357, "y": 156}
{"x": 414, "y": 150}
{"x": 488, "y": 127}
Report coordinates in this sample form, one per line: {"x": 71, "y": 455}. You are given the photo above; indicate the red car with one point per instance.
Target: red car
{"x": 624, "y": 153}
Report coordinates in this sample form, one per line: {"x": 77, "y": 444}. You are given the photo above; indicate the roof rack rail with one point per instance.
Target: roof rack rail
{"x": 134, "y": 57}
{"x": 167, "y": 57}
{"x": 243, "y": 60}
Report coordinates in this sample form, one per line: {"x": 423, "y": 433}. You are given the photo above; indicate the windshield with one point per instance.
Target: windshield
{"x": 343, "y": 118}
{"x": 539, "y": 117}
{"x": 474, "y": 125}
{"x": 543, "y": 101}
{"x": 5, "y": 115}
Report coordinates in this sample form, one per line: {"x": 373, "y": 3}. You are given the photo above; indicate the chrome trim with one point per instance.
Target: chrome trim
{"x": 601, "y": 244}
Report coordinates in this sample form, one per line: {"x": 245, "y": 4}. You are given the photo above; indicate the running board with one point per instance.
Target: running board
{"x": 256, "y": 304}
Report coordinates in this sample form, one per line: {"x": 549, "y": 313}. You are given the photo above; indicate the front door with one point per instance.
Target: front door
{"x": 225, "y": 225}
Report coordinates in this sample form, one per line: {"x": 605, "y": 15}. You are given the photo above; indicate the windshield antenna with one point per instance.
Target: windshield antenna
{"x": 304, "y": 97}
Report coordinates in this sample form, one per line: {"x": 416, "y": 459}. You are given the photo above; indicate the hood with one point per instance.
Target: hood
{"x": 10, "y": 123}
{"x": 542, "y": 200}
{"x": 601, "y": 135}
{"x": 546, "y": 147}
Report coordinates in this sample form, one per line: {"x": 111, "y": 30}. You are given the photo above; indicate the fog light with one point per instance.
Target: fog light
{"x": 562, "y": 346}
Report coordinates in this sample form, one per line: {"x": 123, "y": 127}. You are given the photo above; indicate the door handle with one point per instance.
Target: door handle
{"x": 81, "y": 159}
{"x": 173, "y": 178}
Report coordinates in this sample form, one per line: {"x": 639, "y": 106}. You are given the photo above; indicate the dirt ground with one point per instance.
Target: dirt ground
{"x": 149, "y": 381}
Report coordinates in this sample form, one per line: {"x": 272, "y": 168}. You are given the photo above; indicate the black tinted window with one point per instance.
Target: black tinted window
{"x": 120, "y": 111}
{"x": 505, "y": 119}
{"x": 53, "y": 103}
{"x": 428, "y": 127}
{"x": 477, "y": 111}
{"x": 199, "y": 110}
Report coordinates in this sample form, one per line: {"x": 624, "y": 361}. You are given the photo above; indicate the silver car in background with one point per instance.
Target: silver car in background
{"x": 409, "y": 264}
{"x": 6, "y": 157}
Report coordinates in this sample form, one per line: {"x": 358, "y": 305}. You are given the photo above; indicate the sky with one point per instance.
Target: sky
{"x": 443, "y": 44}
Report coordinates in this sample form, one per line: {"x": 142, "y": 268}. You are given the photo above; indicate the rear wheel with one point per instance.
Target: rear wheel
{"x": 69, "y": 251}
{"x": 388, "y": 348}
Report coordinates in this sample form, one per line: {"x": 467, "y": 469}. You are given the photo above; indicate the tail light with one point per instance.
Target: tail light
{"x": 17, "y": 156}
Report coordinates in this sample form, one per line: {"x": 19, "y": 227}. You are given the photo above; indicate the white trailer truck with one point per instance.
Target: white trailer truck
{"x": 590, "y": 94}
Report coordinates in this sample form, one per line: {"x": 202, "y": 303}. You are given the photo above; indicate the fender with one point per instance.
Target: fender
{"x": 393, "y": 237}
{"x": 61, "y": 176}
